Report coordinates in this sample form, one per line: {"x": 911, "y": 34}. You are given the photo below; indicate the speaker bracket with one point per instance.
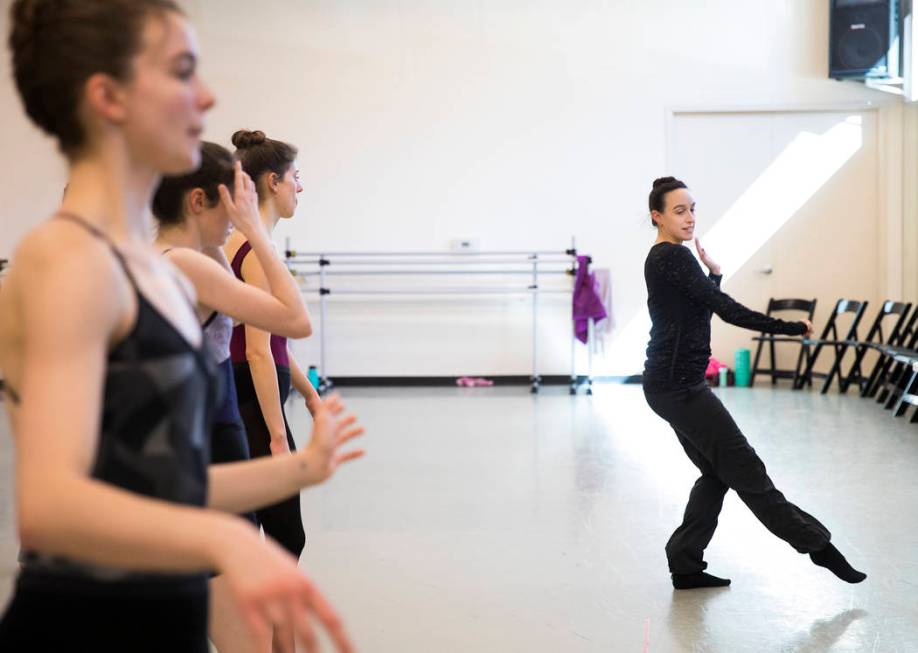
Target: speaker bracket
{"x": 893, "y": 85}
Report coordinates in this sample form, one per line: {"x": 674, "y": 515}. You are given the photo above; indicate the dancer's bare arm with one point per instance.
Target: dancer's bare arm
{"x": 262, "y": 367}
{"x": 278, "y": 307}
{"x": 300, "y": 381}
{"x": 243, "y": 486}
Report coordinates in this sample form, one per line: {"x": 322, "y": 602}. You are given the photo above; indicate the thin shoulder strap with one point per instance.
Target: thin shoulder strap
{"x": 210, "y": 319}
{"x": 241, "y": 253}
{"x": 7, "y": 389}
{"x": 101, "y": 235}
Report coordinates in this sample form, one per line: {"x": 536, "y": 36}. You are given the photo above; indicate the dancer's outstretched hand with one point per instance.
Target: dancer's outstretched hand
{"x": 809, "y": 328}
{"x": 242, "y": 204}
{"x": 707, "y": 260}
{"x": 331, "y": 429}
{"x": 271, "y": 592}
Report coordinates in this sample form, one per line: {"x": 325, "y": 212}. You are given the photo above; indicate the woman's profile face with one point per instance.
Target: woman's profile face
{"x": 677, "y": 221}
{"x": 214, "y": 225}
{"x": 164, "y": 99}
{"x": 287, "y": 190}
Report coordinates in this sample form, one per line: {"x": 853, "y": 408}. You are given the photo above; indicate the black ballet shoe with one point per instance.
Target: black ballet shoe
{"x": 832, "y": 559}
{"x": 698, "y": 580}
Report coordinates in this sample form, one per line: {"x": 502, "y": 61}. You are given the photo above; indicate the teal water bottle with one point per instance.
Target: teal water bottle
{"x": 742, "y": 368}
{"x": 722, "y": 377}
{"x": 313, "y": 376}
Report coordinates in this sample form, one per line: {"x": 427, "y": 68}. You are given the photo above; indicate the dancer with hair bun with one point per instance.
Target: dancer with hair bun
{"x": 681, "y": 300}
{"x": 264, "y": 366}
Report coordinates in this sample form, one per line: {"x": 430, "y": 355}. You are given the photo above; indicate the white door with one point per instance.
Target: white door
{"x": 788, "y": 203}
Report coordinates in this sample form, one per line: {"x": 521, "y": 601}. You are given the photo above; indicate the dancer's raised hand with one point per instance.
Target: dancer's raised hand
{"x": 706, "y": 259}
{"x": 242, "y": 204}
{"x": 330, "y": 431}
{"x": 271, "y": 591}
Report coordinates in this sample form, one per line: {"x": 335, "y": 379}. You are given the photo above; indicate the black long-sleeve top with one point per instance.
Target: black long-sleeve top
{"x": 681, "y": 299}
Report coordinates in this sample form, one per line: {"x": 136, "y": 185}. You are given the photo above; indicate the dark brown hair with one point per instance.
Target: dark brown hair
{"x": 260, "y": 154}
{"x": 216, "y": 168}
{"x": 662, "y": 186}
{"x": 59, "y": 44}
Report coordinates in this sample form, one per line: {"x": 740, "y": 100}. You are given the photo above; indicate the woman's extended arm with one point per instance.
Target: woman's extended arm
{"x": 243, "y": 486}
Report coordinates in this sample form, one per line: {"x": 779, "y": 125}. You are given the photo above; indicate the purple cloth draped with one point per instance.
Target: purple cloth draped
{"x": 587, "y": 304}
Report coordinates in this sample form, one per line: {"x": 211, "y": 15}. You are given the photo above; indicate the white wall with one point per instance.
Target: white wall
{"x": 522, "y": 122}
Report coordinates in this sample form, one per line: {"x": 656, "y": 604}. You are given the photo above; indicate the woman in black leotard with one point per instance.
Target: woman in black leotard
{"x": 681, "y": 299}
{"x": 111, "y": 393}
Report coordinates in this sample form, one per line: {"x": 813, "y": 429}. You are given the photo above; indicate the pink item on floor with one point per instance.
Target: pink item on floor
{"x": 473, "y": 382}
{"x": 714, "y": 366}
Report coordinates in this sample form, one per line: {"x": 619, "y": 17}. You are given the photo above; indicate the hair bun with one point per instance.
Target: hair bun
{"x": 25, "y": 13}
{"x": 245, "y": 138}
{"x": 663, "y": 180}
{"x": 26, "y": 17}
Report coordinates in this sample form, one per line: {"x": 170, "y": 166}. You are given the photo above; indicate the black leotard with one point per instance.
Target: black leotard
{"x": 159, "y": 394}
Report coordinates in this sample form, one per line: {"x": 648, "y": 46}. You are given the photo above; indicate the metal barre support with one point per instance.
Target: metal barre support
{"x": 535, "y": 323}
{"x": 323, "y": 376}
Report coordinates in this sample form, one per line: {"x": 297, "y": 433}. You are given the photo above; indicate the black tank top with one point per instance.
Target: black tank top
{"x": 158, "y": 399}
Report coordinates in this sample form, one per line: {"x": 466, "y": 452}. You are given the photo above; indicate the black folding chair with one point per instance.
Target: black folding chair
{"x": 909, "y": 395}
{"x": 875, "y": 341}
{"x": 807, "y": 306}
{"x": 899, "y": 390}
{"x": 830, "y": 338}
{"x": 884, "y": 376}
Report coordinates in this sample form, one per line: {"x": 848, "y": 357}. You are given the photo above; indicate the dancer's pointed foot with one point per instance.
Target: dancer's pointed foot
{"x": 697, "y": 580}
{"x": 832, "y": 559}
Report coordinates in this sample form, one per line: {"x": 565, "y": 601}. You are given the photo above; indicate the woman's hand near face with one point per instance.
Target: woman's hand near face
{"x": 242, "y": 205}
{"x": 709, "y": 263}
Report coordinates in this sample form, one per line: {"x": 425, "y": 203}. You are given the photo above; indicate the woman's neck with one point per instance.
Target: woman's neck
{"x": 180, "y": 235}
{"x": 114, "y": 196}
{"x": 666, "y": 238}
{"x": 269, "y": 216}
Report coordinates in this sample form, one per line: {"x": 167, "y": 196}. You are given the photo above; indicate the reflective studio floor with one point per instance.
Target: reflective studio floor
{"x": 491, "y": 520}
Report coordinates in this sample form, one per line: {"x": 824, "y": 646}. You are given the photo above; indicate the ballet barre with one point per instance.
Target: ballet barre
{"x": 533, "y": 265}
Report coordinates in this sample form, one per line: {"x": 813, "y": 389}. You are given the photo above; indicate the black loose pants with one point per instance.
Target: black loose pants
{"x": 714, "y": 443}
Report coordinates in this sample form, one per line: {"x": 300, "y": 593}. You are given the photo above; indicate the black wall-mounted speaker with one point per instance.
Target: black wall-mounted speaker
{"x": 864, "y": 39}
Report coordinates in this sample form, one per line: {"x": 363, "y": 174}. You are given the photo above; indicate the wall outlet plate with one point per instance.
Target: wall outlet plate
{"x": 464, "y": 245}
